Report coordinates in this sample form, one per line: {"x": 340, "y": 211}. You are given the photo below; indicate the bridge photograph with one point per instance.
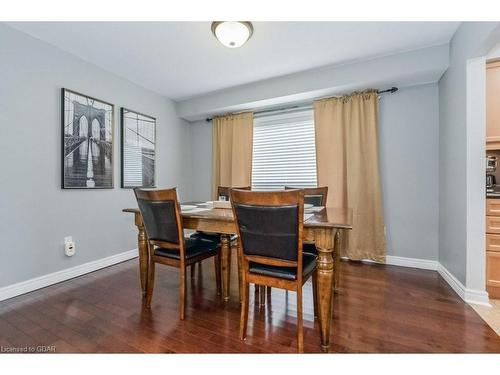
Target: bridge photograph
{"x": 138, "y": 149}
{"x": 87, "y": 142}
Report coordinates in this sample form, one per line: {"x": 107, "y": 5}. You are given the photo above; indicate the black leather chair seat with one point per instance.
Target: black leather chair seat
{"x": 288, "y": 273}
{"x": 194, "y": 247}
{"x": 215, "y": 237}
{"x": 310, "y": 248}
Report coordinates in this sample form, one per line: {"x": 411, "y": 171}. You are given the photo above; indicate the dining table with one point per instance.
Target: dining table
{"x": 324, "y": 227}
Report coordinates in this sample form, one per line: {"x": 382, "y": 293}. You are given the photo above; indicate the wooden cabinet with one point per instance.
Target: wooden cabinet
{"x": 493, "y": 247}
{"x": 493, "y": 224}
{"x": 492, "y": 207}
{"x": 493, "y": 274}
{"x": 493, "y": 105}
{"x": 493, "y": 242}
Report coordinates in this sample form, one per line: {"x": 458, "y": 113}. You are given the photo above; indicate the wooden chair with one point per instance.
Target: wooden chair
{"x": 222, "y": 191}
{"x": 270, "y": 229}
{"x": 317, "y": 197}
{"x": 163, "y": 223}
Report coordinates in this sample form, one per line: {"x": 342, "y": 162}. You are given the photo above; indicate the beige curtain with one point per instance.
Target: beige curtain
{"x": 347, "y": 162}
{"x": 232, "y": 144}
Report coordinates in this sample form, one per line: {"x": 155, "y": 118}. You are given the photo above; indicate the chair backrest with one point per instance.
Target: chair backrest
{"x": 161, "y": 215}
{"x": 270, "y": 224}
{"x": 315, "y": 196}
{"x": 224, "y": 190}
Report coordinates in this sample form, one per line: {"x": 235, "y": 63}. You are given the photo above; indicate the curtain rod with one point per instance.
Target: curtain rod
{"x": 392, "y": 90}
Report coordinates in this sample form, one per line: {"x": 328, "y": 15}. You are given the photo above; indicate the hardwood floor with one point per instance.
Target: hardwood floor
{"x": 381, "y": 309}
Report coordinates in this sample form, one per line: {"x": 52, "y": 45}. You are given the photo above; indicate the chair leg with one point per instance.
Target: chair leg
{"x": 262, "y": 295}
{"x": 218, "y": 278}
{"x": 240, "y": 276}
{"x": 182, "y": 292}
{"x": 244, "y": 312}
{"x": 315, "y": 293}
{"x": 150, "y": 283}
{"x": 300, "y": 330}
{"x": 193, "y": 270}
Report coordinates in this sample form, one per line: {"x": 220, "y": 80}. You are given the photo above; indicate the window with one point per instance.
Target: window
{"x": 284, "y": 151}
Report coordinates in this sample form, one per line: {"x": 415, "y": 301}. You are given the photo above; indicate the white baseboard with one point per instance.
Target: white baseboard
{"x": 468, "y": 295}
{"x": 66, "y": 274}
{"x": 423, "y": 264}
{"x": 478, "y": 297}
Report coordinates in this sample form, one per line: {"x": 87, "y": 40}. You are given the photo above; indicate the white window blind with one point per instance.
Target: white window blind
{"x": 284, "y": 151}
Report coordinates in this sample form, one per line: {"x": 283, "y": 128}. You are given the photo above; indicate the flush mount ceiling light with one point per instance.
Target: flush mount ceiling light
{"x": 232, "y": 34}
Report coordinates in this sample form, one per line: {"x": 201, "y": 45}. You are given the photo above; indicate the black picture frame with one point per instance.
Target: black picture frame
{"x": 92, "y": 138}
{"x": 138, "y": 149}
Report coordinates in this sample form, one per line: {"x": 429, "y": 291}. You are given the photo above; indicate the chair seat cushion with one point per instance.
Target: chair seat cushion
{"x": 288, "y": 273}
{"x": 310, "y": 248}
{"x": 215, "y": 237}
{"x": 194, "y": 248}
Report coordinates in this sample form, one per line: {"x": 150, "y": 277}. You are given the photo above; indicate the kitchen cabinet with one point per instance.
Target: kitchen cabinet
{"x": 493, "y": 105}
{"x": 493, "y": 247}
{"x": 493, "y": 274}
{"x": 492, "y": 242}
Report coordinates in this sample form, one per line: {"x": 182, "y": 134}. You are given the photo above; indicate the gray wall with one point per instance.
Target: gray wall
{"x": 409, "y": 159}
{"x": 453, "y": 146}
{"x": 409, "y": 132}
{"x": 201, "y": 159}
{"x": 36, "y": 213}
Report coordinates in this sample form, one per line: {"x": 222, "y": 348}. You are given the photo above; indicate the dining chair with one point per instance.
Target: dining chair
{"x": 167, "y": 245}
{"x": 317, "y": 197}
{"x": 270, "y": 230}
{"x": 222, "y": 191}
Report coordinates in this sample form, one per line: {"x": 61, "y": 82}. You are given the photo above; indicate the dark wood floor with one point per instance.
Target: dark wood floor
{"x": 381, "y": 309}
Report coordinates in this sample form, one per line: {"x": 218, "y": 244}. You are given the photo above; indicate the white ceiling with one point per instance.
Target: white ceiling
{"x": 183, "y": 59}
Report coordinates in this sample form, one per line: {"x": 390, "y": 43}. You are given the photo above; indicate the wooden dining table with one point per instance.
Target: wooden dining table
{"x": 324, "y": 228}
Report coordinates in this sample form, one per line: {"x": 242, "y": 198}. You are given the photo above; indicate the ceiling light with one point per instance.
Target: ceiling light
{"x": 232, "y": 34}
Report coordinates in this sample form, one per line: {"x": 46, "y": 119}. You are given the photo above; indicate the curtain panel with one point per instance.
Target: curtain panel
{"x": 348, "y": 163}
{"x": 232, "y": 144}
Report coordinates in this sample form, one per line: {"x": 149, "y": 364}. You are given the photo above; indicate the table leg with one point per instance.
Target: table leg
{"x": 338, "y": 244}
{"x": 325, "y": 276}
{"x": 142, "y": 245}
{"x": 240, "y": 271}
{"x": 226, "y": 264}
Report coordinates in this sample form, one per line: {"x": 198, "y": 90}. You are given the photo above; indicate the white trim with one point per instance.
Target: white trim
{"x": 423, "y": 264}
{"x": 477, "y": 297}
{"x": 468, "y": 295}
{"x": 471, "y": 296}
{"x": 475, "y": 259}
{"x": 22, "y": 287}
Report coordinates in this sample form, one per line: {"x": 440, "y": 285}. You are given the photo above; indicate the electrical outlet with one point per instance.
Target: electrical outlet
{"x": 69, "y": 246}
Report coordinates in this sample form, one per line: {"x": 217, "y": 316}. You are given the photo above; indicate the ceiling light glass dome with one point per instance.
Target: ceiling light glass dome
{"x": 232, "y": 34}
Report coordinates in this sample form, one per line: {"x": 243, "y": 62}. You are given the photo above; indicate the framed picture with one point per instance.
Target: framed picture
{"x": 138, "y": 147}
{"x": 87, "y": 142}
